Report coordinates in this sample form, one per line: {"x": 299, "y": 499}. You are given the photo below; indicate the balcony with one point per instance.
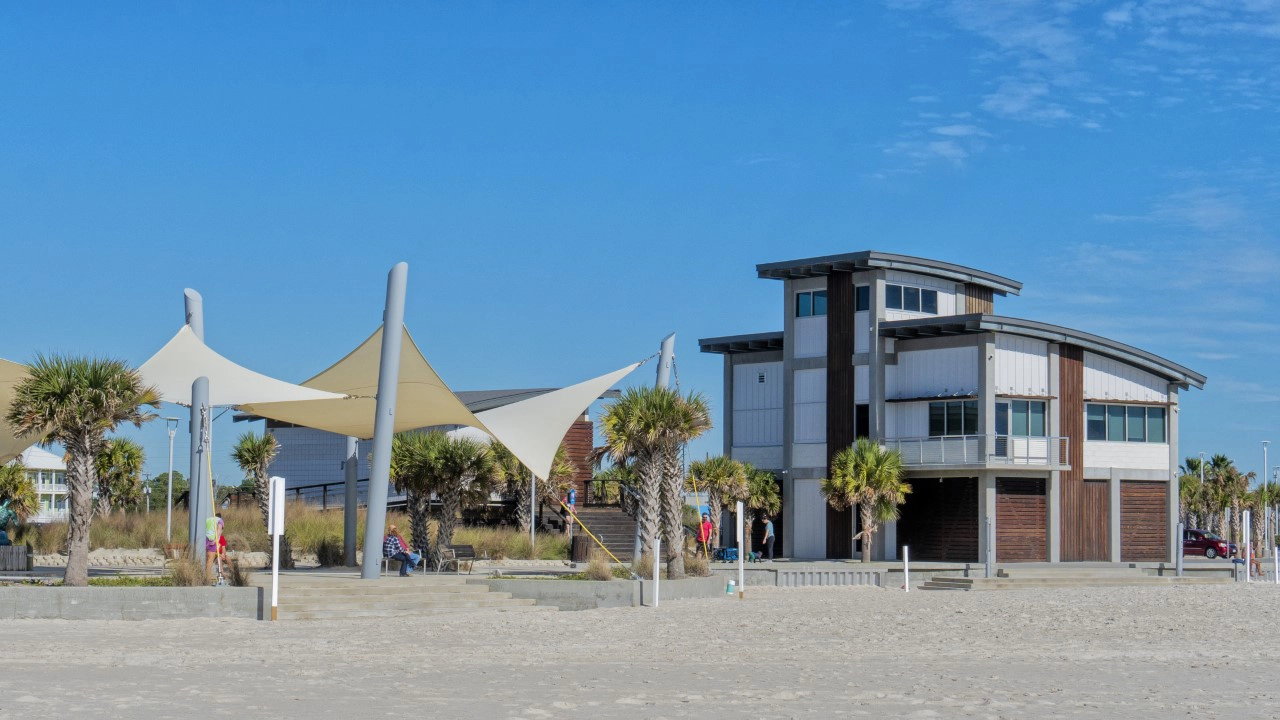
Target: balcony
{"x": 982, "y": 451}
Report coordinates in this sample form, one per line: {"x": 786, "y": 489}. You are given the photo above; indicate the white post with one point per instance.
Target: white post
{"x": 1276, "y": 555}
{"x": 741, "y": 571}
{"x": 906, "y": 568}
{"x": 172, "y": 425}
{"x": 275, "y": 522}
{"x": 657, "y": 553}
{"x": 1248, "y": 555}
{"x": 1182, "y": 533}
{"x": 533, "y": 512}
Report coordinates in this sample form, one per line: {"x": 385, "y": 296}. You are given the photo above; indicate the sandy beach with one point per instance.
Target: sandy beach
{"x": 1203, "y": 652}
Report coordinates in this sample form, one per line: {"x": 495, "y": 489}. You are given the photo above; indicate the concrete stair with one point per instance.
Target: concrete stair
{"x": 1012, "y": 579}
{"x": 320, "y": 598}
{"x": 615, "y": 528}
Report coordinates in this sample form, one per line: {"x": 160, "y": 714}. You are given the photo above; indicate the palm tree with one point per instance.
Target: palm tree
{"x": 120, "y": 465}
{"x": 460, "y": 471}
{"x": 412, "y": 455}
{"x": 1191, "y": 498}
{"x": 762, "y": 497}
{"x": 76, "y": 401}
{"x": 17, "y": 493}
{"x": 724, "y": 480}
{"x": 514, "y": 477}
{"x": 869, "y": 476}
{"x": 648, "y": 427}
{"x": 254, "y": 453}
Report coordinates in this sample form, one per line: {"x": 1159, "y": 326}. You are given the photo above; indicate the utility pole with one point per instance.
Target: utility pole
{"x": 198, "y": 505}
{"x": 1266, "y": 528}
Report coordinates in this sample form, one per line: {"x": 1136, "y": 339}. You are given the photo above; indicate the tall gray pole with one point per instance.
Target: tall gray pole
{"x": 666, "y": 356}
{"x": 171, "y": 426}
{"x": 199, "y": 505}
{"x": 1265, "y": 526}
{"x": 349, "y": 501}
{"x": 193, "y": 314}
{"x": 384, "y": 421}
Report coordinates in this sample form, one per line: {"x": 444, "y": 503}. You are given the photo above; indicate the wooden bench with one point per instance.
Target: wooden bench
{"x": 16, "y": 558}
{"x": 458, "y": 554}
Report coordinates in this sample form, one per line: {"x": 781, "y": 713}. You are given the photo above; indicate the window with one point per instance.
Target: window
{"x": 1126, "y": 423}
{"x": 1023, "y": 418}
{"x": 911, "y": 299}
{"x": 954, "y": 417}
{"x": 862, "y": 420}
{"x": 809, "y": 304}
{"x": 862, "y": 298}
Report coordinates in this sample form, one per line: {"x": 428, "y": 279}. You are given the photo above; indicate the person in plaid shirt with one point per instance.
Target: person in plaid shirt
{"x": 395, "y": 548}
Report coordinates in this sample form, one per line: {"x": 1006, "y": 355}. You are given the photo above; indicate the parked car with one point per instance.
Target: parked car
{"x": 1200, "y": 542}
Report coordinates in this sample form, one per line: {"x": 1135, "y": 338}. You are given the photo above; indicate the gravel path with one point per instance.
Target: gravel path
{"x": 1149, "y": 652}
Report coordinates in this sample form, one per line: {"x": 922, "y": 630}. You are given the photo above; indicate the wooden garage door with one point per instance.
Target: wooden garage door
{"x": 1020, "y": 521}
{"x": 1144, "y": 521}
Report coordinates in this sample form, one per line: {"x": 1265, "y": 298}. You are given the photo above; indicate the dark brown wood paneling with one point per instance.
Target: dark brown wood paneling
{"x": 940, "y": 520}
{"x": 578, "y": 443}
{"x": 1144, "y": 521}
{"x": 1071, "y": 425}
{"x": 840, "y": 412}
{"x": 1095, "y": 501}
{"x": 978, "y": 299}
{"x": 1020, "y": 521}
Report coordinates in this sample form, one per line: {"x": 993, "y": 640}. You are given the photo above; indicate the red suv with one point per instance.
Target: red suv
{"x": 1199, "y": 542}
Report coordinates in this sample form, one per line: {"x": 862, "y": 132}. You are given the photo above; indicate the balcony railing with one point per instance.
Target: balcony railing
{"x": 981, "y": 450}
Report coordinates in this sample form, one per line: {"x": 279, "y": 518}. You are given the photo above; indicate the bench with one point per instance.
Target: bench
{"x": 458, "y": 554}
{"x": 16, "y": 558}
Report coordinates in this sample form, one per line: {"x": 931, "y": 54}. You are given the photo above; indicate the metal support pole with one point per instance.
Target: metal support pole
{"x": 385, "y": 420}
{"x": 666, "y": 356}
{"x": 533, "y": 502}
{"x": 657, "y": 552}
{"x": 1265, "y": 520}
{"x": 1247, "y": 523}
{"x": 741, "y": 571}
{"x": 906, "y": 568}
{"x": 1182, "y": 533}
{"x": 172, "y": 425}
{"x": 989, "y": 560}
{"x": 199, "y": 506}
{"x": 350, "y": 501}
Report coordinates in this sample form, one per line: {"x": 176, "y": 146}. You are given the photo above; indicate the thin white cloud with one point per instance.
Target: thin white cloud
{"x": 924, "y": 99}
{"x": 960, "y": 131}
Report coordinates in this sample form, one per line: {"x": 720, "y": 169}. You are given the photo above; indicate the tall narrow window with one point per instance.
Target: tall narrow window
{"x": 955, "y": 419}
{"x": 1155, "y": 424}
{"x": 862, "y": 420}
{"x": 937, "y": 419}
{"x": 1002, "y": 418}
{"x": 820, "y": 302}
{"x": 929, "y": 301}
{"x": 970, "y": 417}
{"x": 804, "y": 304}
{"x": 1115, "y": 423}
{"x": 862, "y": 298}
{"x": 1137, "y": 424}
{"x": 1021, "y": 419}
{"x": 893, "y": 297}
{"x": 911, "y": 299}
{"x": 1036, "y": 419}
{"x": 1096, "y": 421}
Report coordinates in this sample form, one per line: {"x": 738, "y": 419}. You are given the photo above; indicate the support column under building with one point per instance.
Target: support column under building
{"x": 1053, "y": 519}
{"x": 986, "y": 511}
{"x": 1113, "y": 516}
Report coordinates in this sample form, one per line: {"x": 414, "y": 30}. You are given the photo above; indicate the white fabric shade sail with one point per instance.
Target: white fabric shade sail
{"x": 184, "y": 358}
{"x": 11, "y": 373}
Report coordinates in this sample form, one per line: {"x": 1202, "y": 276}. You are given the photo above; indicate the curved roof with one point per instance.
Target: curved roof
{"x": 969, "y": 324}
{"x": 732, "y": 344}
{"x": 868, "y": 259}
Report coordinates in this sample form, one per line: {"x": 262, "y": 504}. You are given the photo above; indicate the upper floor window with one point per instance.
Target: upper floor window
{"x": 953, "y": 417}
{"x": 1023, "y": 418}
{"x": 811, "y": 303}
{"x": 911, "y": 299}
{"x": 862, "y": 298}
{"x": 1125, "y": 423}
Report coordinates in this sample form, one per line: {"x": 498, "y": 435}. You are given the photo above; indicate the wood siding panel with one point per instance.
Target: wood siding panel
{"x": 840, "y": 397}
{"x": 1020, "y": 521}
{"x": 940, "y": 520}
{"x": 1080, "y": 517}
{"x": 1095, "y": 501}
{"x": 578, "y": 444}
{"x": 1144, "y": 521}
{"x": 978, "y": 299}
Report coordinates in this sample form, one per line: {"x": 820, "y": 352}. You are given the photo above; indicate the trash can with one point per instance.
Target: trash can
{"x": 580, "y": 550}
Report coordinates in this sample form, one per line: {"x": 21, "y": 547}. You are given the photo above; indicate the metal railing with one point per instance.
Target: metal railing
{"x": 981, "y": 450}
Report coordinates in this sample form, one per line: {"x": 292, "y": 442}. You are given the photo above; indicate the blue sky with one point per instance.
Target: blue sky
{"x": 569, "y": 182}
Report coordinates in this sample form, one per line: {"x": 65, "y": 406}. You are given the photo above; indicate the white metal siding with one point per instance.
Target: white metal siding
{"x": 809, "y": 529}
{"x": 945, "y": 371}
{"x": 1022, "y": 366}
{"x": 811, "y": 336}
{"x": 891, "y": 381}
{"x": 861, "y": 378}
{"x": 810, "y": 424}
{"x": 1126, "y": 455}
{"x": 910, "y": 420}
{"x": 862, "y": 332}
{"x": 765, "y": 458}
{"x": 812, "y": 455}
{"x": 1107, "y": 379}
{"x": 757, "y": 406}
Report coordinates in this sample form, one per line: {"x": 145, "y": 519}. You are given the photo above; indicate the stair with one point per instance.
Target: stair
{"x": 392, "y": 597}
{"x": 1011, "y": 579}
{"x": 615, "y": 528}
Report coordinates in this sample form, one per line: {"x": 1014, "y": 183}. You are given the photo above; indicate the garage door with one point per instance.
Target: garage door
{"x": 1144, "y": 521}
{"x": 940, "y": 520}
{"x": 1020, "y": 521}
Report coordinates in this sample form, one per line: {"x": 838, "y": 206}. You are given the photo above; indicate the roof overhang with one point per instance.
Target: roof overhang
{"x": 734, "y": 344}
{"x": 870, "y": 259}
{"x": 973, "y": 324}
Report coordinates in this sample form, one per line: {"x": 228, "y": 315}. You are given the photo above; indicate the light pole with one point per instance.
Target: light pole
{"x": 146, "y": 490}
{"x": 171, "y": 423}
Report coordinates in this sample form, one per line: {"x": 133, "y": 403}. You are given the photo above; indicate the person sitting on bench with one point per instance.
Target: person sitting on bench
{"x": 395, "y": 548}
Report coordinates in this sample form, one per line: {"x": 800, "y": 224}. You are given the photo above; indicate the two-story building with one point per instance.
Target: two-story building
{"x": 1059, "y": 444}
{"x": 48, "y": 473}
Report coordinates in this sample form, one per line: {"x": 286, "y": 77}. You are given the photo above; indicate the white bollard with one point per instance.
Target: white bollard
{"x": 657, "y": 554}
{"x": 275, "y": 522}
{"x": 906, "y": 568}
{"x": 1248, "y": 556}
{"x": 741, "y": 572}
{"x": 1275, "y": 554}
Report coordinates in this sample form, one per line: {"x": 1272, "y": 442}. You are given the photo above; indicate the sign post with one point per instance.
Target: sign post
{"x": 657, "y": 553}
{"x": 275, "y": 523}
{"x": 741, "y": 572}
{"x": 906, "y": 568}
{"x": 1248, "y": 549}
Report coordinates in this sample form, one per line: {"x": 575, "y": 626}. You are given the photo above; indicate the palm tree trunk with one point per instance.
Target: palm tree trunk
{"x": 418, "y": 509}
{"x": 262, "y": 492}
{"x": 715, "y": 508}
{"x": 673, "y": 512}
{"x": 520, "y": 493}
{"x": 868, "y": 530}
{"x": 450, "y": 507}
{"x": 748, "y": 522}
{"x": 650, "y": 512}
{"x": 81, "y": 479}
{"x": 1236, "y": 534}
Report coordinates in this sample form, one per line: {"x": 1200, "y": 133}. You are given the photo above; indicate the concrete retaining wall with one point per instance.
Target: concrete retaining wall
{"x": 805, "y": 577}
{"x": 129, "y": 603}
{"x": 588, "y": 594}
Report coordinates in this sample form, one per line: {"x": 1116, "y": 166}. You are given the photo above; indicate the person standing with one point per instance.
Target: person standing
{"x": 704, "y": 535}
{"x": 768, "y": 537}
{"x": 213, "y": 528}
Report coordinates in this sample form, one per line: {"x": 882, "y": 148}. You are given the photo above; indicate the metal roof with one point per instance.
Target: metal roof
{"x": 731, "y": 344}
{"x": 969, "y": 324}
{"x": 868, "y": 259}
